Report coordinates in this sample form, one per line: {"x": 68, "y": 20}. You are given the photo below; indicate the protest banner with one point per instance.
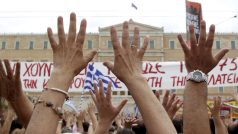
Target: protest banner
{"x": 160, "y": 75}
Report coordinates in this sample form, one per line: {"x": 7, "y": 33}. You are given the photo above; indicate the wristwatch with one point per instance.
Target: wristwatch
{"x": 197, "y": 76}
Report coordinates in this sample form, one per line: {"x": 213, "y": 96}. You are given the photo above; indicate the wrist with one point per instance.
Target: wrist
{"x": 139, "y": 79}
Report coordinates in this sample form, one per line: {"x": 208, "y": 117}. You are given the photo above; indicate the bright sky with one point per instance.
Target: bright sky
{"x": 34, "y": 16}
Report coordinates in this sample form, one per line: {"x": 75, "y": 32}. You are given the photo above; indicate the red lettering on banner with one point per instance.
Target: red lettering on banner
{"x": 178, "y": 80}
{"x": 223, "y": 79}
{"x": 30, "y": 83}
{"x": 181, "y": 66}
{"x": 45, "y": 83}
{"x": 223, "y": 64}
{"x": 118, "y": 83}
{"x": 37, "y": 69}
{"x": 234, "y": 63}
{"x": 155, "y": 81}
{"x": 78, "y": 82}
{"x": 157, "y": 66}
{"x": 153, "y": 70}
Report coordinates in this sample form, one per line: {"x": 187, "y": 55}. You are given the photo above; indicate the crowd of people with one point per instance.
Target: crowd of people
{"x": 19, "y": 115}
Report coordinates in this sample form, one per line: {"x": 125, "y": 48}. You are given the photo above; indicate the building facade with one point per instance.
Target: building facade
{"x": 162, "y": 47}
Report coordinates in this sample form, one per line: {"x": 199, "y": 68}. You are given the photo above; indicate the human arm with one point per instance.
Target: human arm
{"x": 220, "y": 127}
{"x": 11, "y": 90}
{"x": 68, "y": 61}
{"x": 92, "y": 115}
{"x": 128, "y": 68}
{"x": 198, "y": 56}
{"x": 106, "y": 111}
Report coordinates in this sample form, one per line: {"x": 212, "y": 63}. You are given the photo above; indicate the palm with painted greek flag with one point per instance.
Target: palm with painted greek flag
{"x": 93, "y": 75}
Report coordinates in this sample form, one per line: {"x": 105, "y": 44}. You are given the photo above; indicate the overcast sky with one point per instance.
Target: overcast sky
{"x": 34, "y": 16}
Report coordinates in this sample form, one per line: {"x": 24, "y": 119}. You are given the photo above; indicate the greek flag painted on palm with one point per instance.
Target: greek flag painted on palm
{"x": 93, "y": 75}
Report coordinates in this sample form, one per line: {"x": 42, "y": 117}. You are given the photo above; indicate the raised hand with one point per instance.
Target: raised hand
{"x": 128, "y": 61}
{"x": 171, "y": 104}
{"x": 215, "y": 110}
{"x": 199, "y": 55}
{"x": 10, "y": 85}
{"x": 107, "y": 112}
{"x": 68, "y": 54}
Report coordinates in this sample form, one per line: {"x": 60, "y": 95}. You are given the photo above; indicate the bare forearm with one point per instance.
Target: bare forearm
{"x": 102, "y": 127}
{"x": 80, "y": 126}
{"x": 39, "y": 119}
{"x": 220, "y": 128}
{"x": 154, "y": 115}
{"x": 23, "y": 108}
{"x": 195, "y": 115}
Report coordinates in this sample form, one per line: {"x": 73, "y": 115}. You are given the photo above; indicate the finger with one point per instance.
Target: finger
{"x": 61, "y": 33}
{"x": 89, "y": 56}
{"x": 210, "y": 37}
{"x": 115, "y": 42}
{"x": 72, "y": 29}
{"x": 171, "y": 100}
{"x": 109, "y": 65}
{"x": 135, "y": 43}
{"x": 93, "y": 97}
{"x": 143, "y": 48}
{"x": 108, "y": 94}
{"x": 157, "y": 94}
{"x": 183, "y": 45}
{"x": 125, "y": 36}
{"x": 220, "y": 55}
{"x": 121, "y": 105}
{"x": 165, "y": 99}
{"x": 2, "y": 71}
{"x": 8, "y": 69}
{"x": 18, "y": 71}
{"x": 193, "y": 40}
{"x": 174, "y": 105}
{"x": 96, "y": 91}
{"x": 81, "y": 35}
{"x": 202, "y": 36}
{"x": 51, "y": 39}
{"x": 101, "y": 90}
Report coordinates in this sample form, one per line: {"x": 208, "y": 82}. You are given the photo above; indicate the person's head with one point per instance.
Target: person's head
{"x": 139, "y": 128}
{"x": 125, "y": 131}
{"x": 85, "y": 126}
{"x": 178, "y": 124}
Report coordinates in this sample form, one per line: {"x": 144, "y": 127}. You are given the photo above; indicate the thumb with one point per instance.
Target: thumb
{"x": 220, "y": 54}
{"x": 89, "y": 56}
{"x": 121, "y": 105}
{"x": 109, "y": 65}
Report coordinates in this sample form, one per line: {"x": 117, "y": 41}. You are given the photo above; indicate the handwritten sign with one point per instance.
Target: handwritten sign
{"x": 159, "y": 75}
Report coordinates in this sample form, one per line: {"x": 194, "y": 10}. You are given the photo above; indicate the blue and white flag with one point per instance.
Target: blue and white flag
{"x": 136, "y": 111}
{"x": 93, "y": 76}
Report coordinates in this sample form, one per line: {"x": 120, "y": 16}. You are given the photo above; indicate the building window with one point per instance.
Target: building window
{"x": 171, "y": 44}
{"x": 4, "y": 45}
{"x": 31, "y": 45}
{"x": 109, "y": 44}
{"x": 152, "y": 44}
{"x": 45, "y": 44}
{"x": 218, "y": 44}
{"x": 233, "y": 44}
{"x": 17, "y": 45}
{"x": 221, "y": 89}
{"x": 90, "y": 44}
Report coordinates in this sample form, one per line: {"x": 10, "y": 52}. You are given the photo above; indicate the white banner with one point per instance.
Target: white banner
{"x": 160, "y": 75}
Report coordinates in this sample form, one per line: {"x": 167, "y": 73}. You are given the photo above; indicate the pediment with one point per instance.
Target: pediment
{"x": 132, "y": 25}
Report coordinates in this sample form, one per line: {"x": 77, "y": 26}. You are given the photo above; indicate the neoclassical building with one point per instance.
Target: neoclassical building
{"x": 162, "y": 47}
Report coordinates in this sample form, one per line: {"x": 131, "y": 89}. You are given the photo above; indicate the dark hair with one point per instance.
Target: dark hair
{"x": 178, "y": 124}
{"x": 140, "y": 128}
{"x": 212, "y": 125}
{"x": 15, "y": 124}
{"x": 85, "y": 126}
{"x": 125, "y": 131}
{"x": 233, "y": 129}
